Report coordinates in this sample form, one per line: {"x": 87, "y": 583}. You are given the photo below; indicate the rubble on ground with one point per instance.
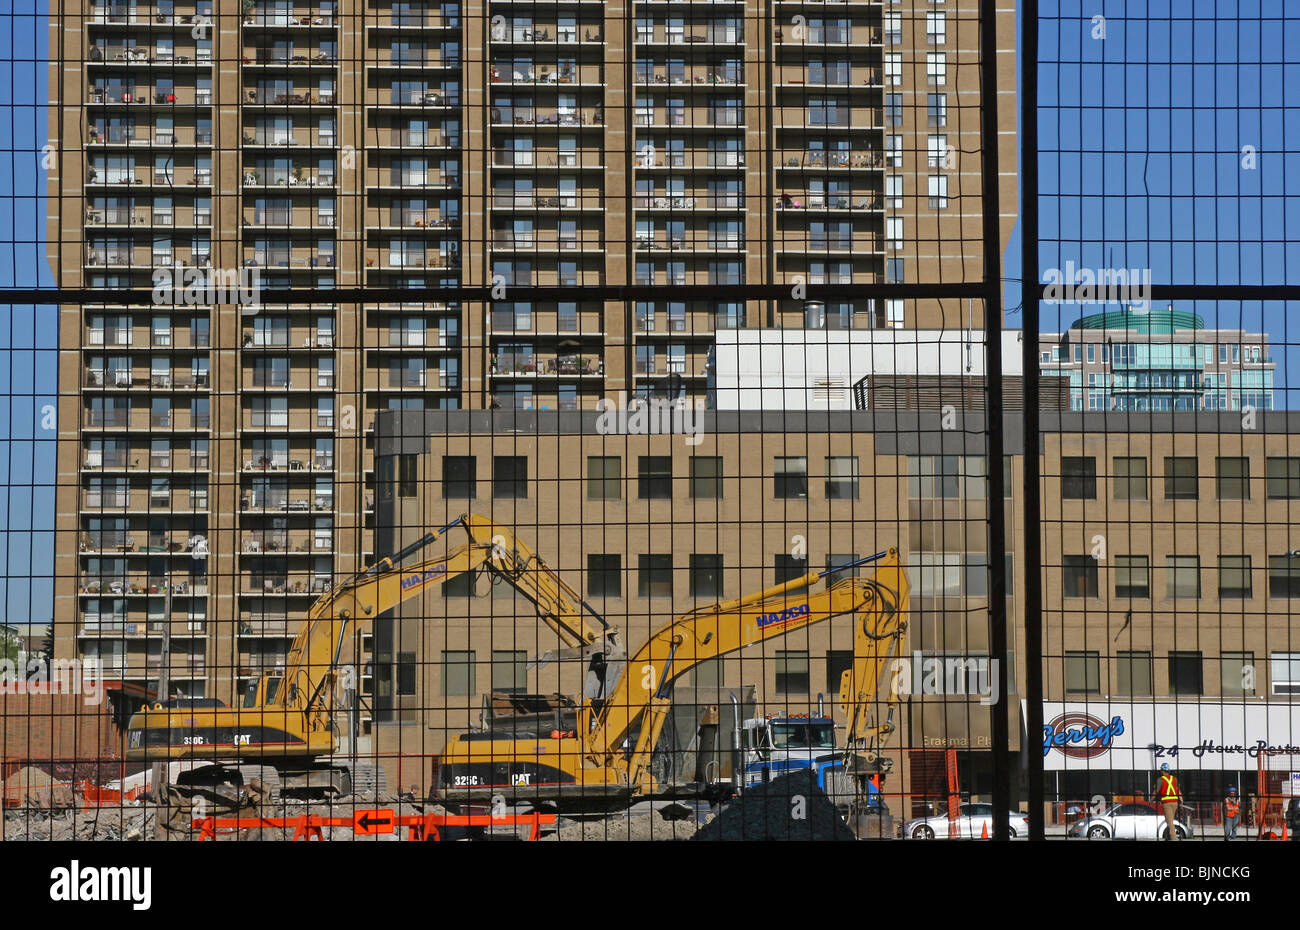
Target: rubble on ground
{"x": 791, "y": 807}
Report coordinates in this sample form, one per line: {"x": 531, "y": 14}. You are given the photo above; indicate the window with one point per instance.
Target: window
{"x": 604, "y": 576}
{"x": 893, "y": 109}
{"x": 792, "y": 671}
{"x": 937, "y": 151}
{"x": 407, "y": 466}
{"x": 1132, "y": 576}
{"x": 841, "y": 477}
{"x": 510, "y": 476}
{"x": 654, "y": 576}
{"x": 604, "y": 477}
{"x": 789, "y": 567}
{"x": 509, "y": 670}
{"x": 458, "y": 477}
{"x": 654, "y": 477}
{"x": 706, "y": 476}
{"x": 1082, "y": 672}
{"x": 838, "y": 661}
{"x": 835, "y": 563}
{"x": 1180, "y": 477}
{"x": 706, "y": 576}
{"x": 1234, "y": 576}
{"x": 1079, "y": 576}
{"x": 1232, "y": 478}
{"x": 1185, "y": 673}
{"x": 936, "y": 68}
{"x": 938, "y": 187}
{"x": 1183, "y": 576}
{"x": 937, "y": 107}
{"x": 1133, "y": 673}
{"x": 894, "y": 232}
{"x": 1283, "y": 576}
{"x": 893, "y": 28}
{"x": 457, "y": 672}
{"x": 1237, "y": 673}
{"x": 1130, "y": 476}
{"x": 791, "y": 478}
{"x": 1284, "y": 672}
{"x": 936, "y": 28}
{"x": 1079, "y": 477}
{"x": 1282, "y": 478}
{"x": 894, "y": 191}
{"x": 893, "y": 68}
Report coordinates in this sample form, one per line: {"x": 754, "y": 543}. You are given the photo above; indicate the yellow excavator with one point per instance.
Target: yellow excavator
{"x": 289, "y": 729}
{"x": 606, "y": 760}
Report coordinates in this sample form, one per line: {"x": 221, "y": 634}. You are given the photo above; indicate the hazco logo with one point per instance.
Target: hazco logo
{"x": 1080, "y": 736}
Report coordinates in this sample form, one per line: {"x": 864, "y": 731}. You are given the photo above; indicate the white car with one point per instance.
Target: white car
{"x": 972, "y": 822}
{"x": 1132, "y": 821}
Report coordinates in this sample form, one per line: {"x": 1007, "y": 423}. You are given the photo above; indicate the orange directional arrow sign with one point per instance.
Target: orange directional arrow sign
{"x": 373, "y": 821}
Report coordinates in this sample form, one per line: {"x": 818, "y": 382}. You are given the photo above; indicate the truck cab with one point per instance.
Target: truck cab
{"x": 772, "y": 746}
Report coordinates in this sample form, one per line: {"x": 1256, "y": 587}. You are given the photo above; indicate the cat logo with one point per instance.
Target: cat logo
{"x": 243, "y": 739}
{"x": 521, "y": 780}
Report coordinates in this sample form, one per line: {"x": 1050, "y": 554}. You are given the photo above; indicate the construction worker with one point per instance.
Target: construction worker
{"x": 1231, "y": 814}
{"x": 1170, "y": 798}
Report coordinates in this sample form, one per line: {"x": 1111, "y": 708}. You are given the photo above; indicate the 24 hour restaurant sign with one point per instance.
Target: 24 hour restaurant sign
{"x": 1189, "y": 736}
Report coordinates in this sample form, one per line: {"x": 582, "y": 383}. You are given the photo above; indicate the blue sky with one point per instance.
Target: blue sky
{"x": 1141, "y": 166}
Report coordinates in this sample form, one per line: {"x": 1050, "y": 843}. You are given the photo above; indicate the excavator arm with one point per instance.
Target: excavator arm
{"x": 641, "y": 699}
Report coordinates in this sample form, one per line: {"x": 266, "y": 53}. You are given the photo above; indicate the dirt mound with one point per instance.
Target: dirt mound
{"x": 32, "y": 787}
{"x": 791, "y": 807}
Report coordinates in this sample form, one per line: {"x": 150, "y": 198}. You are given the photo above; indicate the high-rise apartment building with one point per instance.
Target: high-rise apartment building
{"x": 220, "y": 452}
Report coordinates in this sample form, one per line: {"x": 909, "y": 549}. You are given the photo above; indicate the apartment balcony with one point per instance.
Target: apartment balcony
{"x": 296, "y": 338}
{"x": 418, "y": 100}
{"x": 385, "y": 20}
{"x": 793, "y": 159}
{"x": 256, "y": 178}
{"x": 144, "y": 337}
{"x": 181, "y": 459}
{"x": 689, "y": 159}
{"x": 544, "y": 117}
{"x": 305, "y": 17}
{"x": 306, "y": 543}
{"x": 140, "y": 15}
{"x": 302, "y": 218}
{"x": 533, "y": 159}
{"x": 299, "y": 137}
{"x": 857, "y": 35}
{"x": 299, "y": 98}
{"x": 290, "y": 583}
{"x": 548, "y": 322}
{"x": 693, "y": 241}
{"x": 295, "y": 500}
{"x": 690, "y": 76}
{"x": 542, "y": 201}
{"x": 852, "y": 118}
{"x": 680, "y": 203}
{"x": 293, "y": 259}
{"x": 541, "y": 73}
{"x": 430, "y": 59}
{"x": 789, "y": 243}
{"x": 548, "y": 240}
{"x": 177, "y": 421}
{"x": 145, "y": 258}
{"x": 821, "y": 202}
{"x": 151, "y": 381}
{"x": 281, "y": 381}
{"x": 144, "y": 97}
{"x": 381, "y": 260}
{"x": 124, "y": 543}
{"x": 139, "y": 584}
{"x": 548, "y": 33}
{"x": 707, "y": 35}
{"x": 255, "y": 60}
{"x": 259, "y": 625}
{"x": 183, "y": 176}
{"x": 537, "y": 365}
{"x": 399, "y": 219}
{"x": 401, "y": 137}
{"x": 143, "y": 56}
{"x": 293, "y": 462}
{"x": 387, "y": 178}
{"x": 858, "y": 77}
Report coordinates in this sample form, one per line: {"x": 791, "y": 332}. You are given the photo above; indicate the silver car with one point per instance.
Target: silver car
{"x": 974, "y": 821}
{"x": 1131, "y": 821}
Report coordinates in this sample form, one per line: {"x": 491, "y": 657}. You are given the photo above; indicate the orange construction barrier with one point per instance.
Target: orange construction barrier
{"x": 370, "y": 822}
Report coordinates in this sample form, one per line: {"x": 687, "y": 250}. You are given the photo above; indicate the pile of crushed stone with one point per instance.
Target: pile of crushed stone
{"x": 790, "y": 807}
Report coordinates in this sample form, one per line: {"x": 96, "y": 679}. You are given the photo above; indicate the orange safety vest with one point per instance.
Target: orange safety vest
{"x": 1231, "y": 806}
{"x": 1169, "y": 788}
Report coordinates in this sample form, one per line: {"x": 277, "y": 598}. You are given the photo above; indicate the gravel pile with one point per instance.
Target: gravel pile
{"x": 790, "y": 807}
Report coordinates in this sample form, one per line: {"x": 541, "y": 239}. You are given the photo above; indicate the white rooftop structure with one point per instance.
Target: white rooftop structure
{"x": 815, "y": 369}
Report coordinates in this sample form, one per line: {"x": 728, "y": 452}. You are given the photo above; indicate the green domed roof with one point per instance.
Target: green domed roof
{"x": 1150, "y": 321}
